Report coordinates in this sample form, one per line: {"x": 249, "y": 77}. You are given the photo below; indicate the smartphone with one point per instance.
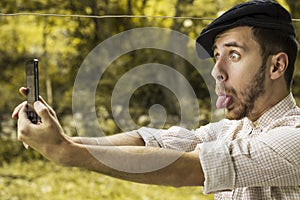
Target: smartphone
{"x": 32, "y": 84}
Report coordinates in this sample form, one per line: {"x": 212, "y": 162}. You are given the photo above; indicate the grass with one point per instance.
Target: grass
{"x": 43, "y": 180}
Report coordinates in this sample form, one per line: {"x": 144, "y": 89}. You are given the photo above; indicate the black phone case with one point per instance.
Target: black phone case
{"x": 32, "y": 84}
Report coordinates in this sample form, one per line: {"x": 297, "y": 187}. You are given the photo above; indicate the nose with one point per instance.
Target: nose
{"x": 219, "y": 71}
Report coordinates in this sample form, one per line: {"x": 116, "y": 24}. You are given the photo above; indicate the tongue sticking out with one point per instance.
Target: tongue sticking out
{"x": 223, "y": 101}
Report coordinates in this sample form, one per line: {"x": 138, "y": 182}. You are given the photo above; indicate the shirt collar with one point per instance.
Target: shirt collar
{"x": 274, "y": 113}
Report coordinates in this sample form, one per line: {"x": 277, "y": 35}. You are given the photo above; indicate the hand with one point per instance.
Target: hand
{"x": 47, "y": 136}
{"x": 23, "y": 91}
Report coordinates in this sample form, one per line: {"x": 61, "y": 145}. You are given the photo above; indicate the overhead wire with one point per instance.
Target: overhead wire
{"x": 112, "y": 16}
{"x": 102, "y": 16}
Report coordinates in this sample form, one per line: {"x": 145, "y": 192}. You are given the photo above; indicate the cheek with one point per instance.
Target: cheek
{"x": 239, "y": 79}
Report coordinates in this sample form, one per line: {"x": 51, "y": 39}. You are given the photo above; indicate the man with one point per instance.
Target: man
{"x": 253, "y": 154}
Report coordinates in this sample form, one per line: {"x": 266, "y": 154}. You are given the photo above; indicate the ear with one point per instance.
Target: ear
{"x": 279, "y": 63}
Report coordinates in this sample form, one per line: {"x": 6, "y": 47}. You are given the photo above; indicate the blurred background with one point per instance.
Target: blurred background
{"x": 61, "y": 33}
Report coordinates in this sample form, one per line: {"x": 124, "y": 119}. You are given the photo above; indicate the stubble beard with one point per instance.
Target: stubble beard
{"x": 247, "y": 98}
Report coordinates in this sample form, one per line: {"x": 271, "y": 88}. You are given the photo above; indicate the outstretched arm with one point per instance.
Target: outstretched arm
{"x": 131, "y": 138}
{"x": 133, "y": 163}
{"x": 139, "y": 164}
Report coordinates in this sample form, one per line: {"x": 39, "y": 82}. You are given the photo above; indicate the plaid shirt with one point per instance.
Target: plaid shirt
{"x": 243, "y": 159}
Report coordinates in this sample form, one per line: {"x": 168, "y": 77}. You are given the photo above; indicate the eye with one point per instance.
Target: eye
{"x": 234, "y": 56}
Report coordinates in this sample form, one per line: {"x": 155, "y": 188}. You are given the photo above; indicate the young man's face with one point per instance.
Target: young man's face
{"x": 239, "y": 72}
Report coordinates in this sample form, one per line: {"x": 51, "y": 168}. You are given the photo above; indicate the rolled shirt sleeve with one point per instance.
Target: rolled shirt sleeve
{"x": 176, "y": 138}
{"x": 179, "y": 138}
{"x": 151, "y": 136}
{"x": 217, "y": 166}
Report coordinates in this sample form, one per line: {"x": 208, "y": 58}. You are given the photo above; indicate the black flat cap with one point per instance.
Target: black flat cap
{"x": 256, "y": 13}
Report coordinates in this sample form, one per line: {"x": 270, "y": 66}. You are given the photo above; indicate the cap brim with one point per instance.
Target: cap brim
{"x": 205, "y": 42}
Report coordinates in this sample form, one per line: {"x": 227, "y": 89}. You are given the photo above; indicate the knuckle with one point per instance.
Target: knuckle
{"x": 43, "y": 110}
{"x": 23, "y": 130}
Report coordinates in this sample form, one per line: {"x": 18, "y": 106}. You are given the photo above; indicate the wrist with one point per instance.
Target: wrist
{"x": 62, "y": 153}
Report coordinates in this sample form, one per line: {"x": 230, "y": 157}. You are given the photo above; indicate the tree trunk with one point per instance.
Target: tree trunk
{"x": 46, "y": 68}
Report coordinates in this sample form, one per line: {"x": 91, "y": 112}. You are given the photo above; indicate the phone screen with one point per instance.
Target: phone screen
{"x": 32, "y": 88}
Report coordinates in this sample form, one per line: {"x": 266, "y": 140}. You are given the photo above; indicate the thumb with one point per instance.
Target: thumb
{"x": 42, "y": 111}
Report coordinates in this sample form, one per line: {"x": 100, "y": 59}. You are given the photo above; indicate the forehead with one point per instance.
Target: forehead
{"x": 241, "y": 36}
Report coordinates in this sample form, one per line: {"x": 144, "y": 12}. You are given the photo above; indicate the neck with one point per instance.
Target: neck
{"x": 265, "y": 103}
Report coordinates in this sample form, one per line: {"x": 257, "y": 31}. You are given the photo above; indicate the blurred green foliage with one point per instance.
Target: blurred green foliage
{"x": 12, "y": 150}
{"x": 39, "y": 180}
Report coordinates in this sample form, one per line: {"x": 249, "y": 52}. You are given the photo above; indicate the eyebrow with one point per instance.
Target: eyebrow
{"x": 230, "y": 44}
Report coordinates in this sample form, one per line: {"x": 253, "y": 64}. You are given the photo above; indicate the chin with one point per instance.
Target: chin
{"x": 234, "y": 114}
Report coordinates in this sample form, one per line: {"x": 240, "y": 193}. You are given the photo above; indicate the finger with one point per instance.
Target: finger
{"x": 23, "y": 124}
{"x": 42, "y": 111}
{"x": 17, "y": 109}
{"x": 52, "y": 112}
{"x": 24, "y": 91}
{"x": 22, "y": 114}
